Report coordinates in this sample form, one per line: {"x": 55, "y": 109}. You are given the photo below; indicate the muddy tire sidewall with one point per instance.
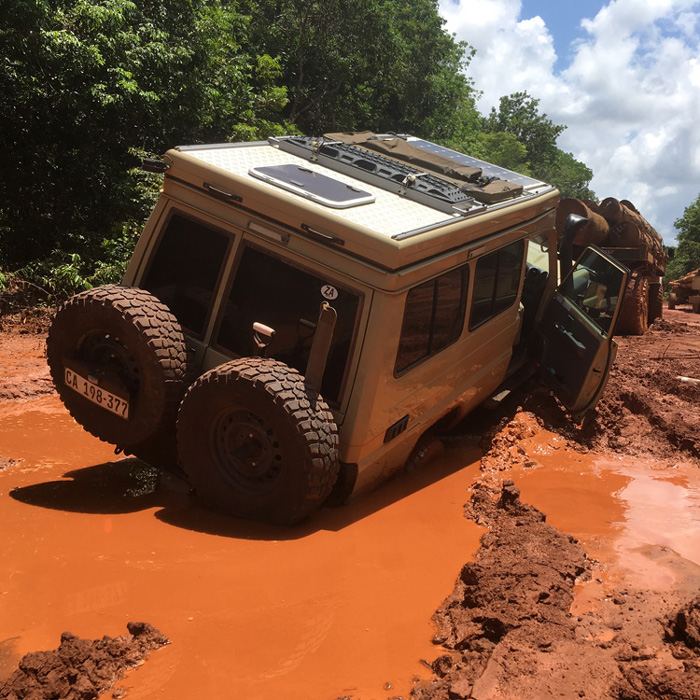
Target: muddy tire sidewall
{"x": 656, "y": 302}
{"x": 149, "y": 335}
{"x": 634, "y": 313}
{"x": 287, "y": 466}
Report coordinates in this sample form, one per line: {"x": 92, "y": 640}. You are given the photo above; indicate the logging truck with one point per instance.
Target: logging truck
{"x": 686, "y": 290}
{"x": 621, "y": 231}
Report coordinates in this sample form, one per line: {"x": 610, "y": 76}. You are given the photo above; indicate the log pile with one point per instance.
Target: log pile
{"x": 689, "y": 281}
{"x": 614, "y": 224}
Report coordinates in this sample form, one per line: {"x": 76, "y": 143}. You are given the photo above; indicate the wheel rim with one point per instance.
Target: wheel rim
{"x": 247, "y": 451}
{"x": 108, "y": 357}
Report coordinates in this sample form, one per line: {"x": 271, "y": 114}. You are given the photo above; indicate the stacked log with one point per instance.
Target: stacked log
{"x": 612, "y": 223}
{"x": 630, "y": 229}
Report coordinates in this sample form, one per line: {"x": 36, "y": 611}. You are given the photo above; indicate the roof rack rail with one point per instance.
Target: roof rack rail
{"x": 380, "y": 171}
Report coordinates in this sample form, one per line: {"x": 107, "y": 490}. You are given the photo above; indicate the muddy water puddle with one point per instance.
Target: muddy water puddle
{"x": 339, "y": 606}
{"x": 639, "y": 517}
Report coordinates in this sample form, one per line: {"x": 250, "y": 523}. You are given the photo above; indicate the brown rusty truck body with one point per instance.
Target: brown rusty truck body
{"x": 300, "y": 313}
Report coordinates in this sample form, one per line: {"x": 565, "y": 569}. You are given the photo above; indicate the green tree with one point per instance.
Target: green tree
{"x": 686, "y": 256}
{"x": 369, "y": 64}
{"x": 570, "y": 176}
{"x": 502, "y": 148}
{"x": 518, "y": 115}
{"x": 89, "y": 86}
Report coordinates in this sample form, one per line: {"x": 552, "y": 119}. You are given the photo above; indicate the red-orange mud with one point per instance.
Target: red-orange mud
{"x": 612, "y": 613}
{"x": 341, "y": 605}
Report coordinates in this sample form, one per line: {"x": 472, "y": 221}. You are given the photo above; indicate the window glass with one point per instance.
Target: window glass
{"x": 508, "y": 277}
{"x": 185, "y": 270}
{"x": 433, "y": 317}
{"x": 538, "y": 252}
{"x": 271, "y": 291}
{"x": 594, "y": 286}
{"x": 496, "y": 281}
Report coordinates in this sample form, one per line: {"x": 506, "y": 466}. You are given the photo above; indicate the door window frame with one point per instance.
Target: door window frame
{"x": 474, "y": 326}
{"x": 465, "y": 271}
{"x": 288, "y": 257}
{"x": 204, "y": 221}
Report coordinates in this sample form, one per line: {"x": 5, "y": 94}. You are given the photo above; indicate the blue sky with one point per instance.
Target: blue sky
{"x": 563, "y": 19}
{"x": 622, "y": 75}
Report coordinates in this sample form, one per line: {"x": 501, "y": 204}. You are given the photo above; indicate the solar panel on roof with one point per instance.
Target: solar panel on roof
{"x": 489, "y": 169}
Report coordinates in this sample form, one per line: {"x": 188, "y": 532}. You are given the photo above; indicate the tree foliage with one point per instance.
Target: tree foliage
{"x": 368, "y": 64}
{"x": 90, "y": 87}
{"x": 518, "y": 116}
{"x": 686, "y": 256}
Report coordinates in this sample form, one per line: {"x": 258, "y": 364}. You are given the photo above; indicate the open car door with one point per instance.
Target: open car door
{"x": 575, "y": 349}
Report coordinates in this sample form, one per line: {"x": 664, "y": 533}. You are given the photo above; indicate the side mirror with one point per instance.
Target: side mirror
{"x": 573, "y": 224}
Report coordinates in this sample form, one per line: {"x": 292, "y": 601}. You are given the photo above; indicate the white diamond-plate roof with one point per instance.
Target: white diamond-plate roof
{"x": 389, "y": 214}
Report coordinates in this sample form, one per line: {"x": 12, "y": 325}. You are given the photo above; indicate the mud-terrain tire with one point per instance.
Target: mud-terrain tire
{"x": 672, "y": 301}
{"x": 256, "y": 442}
{"x": 129, "y": 339}
{"x": 656, "y": 302}
{"x": 634, "y": 313}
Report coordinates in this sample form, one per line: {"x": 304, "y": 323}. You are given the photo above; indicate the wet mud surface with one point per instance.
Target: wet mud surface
{"x": 585, "y": 583}
{"x": 24, "y": 373}
{"x": 650, "y": 407}
{"x": 610, "y": 613}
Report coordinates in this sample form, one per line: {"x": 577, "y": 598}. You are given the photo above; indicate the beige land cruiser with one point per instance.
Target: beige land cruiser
{"x": 298, "y": 313}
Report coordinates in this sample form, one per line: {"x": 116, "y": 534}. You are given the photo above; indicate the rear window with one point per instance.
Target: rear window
{"x": 272, "y": 291}
{"x": 185, "y": 270}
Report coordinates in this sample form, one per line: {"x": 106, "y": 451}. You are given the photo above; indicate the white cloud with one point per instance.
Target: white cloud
{"x": 512, "y": 54}
{"x": 630, "y": 96}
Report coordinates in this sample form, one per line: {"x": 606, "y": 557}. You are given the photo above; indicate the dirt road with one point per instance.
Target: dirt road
{"x": 585, "y": 604}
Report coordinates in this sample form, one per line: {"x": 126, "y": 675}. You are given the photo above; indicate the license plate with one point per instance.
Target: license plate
{"x": 92, "y": 392}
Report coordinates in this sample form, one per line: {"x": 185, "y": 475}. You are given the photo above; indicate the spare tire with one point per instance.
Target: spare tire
{"x": 123, "y": 348}
{"x": 257, "y": 442}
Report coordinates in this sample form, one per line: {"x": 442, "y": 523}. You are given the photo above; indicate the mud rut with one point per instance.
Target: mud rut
{"x": 506, "y": 630}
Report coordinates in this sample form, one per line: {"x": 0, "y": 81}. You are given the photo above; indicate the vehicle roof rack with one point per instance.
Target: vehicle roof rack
{"x": 380, "y": 171}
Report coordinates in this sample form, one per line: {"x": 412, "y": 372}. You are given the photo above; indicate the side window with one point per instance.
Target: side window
{"x": 594, "y": 286}
{"x": 185, "y": 269}
{"x": 433, "y": 317}
{"x": 272, "y": 291}
{"x": 496, "y": 282}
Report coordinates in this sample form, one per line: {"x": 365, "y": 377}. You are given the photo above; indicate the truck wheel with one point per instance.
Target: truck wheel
{"x": 656, "y": 302}
{"x": 672, "y": 300}
{"x": 634, "y": 313}
{"x": 124, "y": 342}
{"x": 256, "y": 442}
